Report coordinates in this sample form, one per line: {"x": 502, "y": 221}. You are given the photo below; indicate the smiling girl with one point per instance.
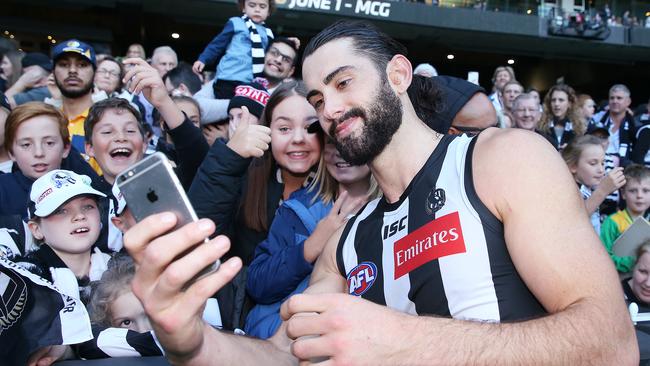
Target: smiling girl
{"x": 241, "y": 184}
{"x": 585, "y": 157}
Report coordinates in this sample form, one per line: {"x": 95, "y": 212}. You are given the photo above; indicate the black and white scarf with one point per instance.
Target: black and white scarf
{"x": 257, "y": 50}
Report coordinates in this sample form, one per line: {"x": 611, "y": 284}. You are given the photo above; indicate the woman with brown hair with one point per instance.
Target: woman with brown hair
{"x": 241, "y": 184}
{"x": 560, "y": 122}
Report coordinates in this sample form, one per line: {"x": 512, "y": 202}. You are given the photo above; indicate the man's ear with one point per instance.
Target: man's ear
{"x": 400, "y": 73}
{"x": 35, "y": 229}
{"x": 293, "y": 68}
{"x": 90, "y": 151}
{"x": 453, "y": 131}
{"x": 118, "y": 222}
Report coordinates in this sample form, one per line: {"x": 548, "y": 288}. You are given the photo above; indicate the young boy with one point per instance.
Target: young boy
{"x": 64, "y": 219}
{"x": 115, "y": 137}
{"x": 636, "y": 194}
{"x": 239, "y": 48}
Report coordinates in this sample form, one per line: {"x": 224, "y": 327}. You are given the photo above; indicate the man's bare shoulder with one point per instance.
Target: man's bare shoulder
{"x": 511, "y": 164}
{"x": 503, "y": 140}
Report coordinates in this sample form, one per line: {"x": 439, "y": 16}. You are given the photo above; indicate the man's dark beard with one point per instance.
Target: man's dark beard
{"x": 381, "y": 121}
{"x": 73, "y": 94}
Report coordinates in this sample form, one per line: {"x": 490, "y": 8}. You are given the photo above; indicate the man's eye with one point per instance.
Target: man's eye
{"x": 343, "y": 83}
{"x": 283, "y": 129}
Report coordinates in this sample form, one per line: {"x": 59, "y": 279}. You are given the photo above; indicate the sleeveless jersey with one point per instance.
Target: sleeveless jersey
{"x": 437, "y": 250}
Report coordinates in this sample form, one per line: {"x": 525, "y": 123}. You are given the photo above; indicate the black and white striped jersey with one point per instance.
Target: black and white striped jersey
{"x": 438, "y": 250}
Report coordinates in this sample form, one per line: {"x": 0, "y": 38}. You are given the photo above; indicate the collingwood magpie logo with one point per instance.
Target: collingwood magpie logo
{"x": 435, "y": 201}
{"x": 14, "y": 298}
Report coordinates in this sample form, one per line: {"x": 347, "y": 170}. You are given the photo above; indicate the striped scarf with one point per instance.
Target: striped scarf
{"x": 257, "y": 51}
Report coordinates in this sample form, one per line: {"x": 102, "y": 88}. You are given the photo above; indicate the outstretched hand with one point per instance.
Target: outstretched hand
{"x": 144, "y": 78}
{"x": 166, "y": 262}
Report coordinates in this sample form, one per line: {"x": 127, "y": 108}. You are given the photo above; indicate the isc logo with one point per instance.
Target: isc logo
{"x": 361, "y": 277}
{"x": 392, "y": 228}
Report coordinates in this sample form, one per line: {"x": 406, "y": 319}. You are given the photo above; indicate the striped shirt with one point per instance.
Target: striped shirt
{"x": 437, "y": 250}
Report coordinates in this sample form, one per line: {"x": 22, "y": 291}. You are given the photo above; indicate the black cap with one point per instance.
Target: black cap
{"x": 250, "y": 95}
{"x": 37, "y": 59}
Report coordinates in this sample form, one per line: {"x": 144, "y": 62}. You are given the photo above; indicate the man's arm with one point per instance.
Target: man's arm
{"x": 553, "y": 247}
{"x": 557, "y": 254}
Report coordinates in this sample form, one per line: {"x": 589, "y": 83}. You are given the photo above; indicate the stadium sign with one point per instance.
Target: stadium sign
{"x": 360, "y": 7}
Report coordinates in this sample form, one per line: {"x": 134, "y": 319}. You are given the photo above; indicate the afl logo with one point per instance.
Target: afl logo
{"x": 361, "y": 277}
{"x": 435, "y": 201}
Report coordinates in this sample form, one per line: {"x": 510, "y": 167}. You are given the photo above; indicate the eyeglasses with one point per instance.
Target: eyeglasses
{"x": 115, "y": 74}
{"x": 275, "y": 53}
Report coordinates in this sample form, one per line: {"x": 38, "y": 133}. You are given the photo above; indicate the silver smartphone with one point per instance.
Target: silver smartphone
{"x": 150, "y": 186}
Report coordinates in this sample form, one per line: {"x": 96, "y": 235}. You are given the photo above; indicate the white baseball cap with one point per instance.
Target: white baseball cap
{"x": 57, "y": 187}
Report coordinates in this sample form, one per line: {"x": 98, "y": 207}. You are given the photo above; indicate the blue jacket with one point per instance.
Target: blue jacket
{"x": 217, "y": 192}
{"x": 232, "y": 50}
{"x": 15, "y": 187}
{"x": 279, "y": 268}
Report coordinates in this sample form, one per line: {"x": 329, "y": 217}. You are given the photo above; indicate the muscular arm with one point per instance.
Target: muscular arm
{"x": 557, "y": 255}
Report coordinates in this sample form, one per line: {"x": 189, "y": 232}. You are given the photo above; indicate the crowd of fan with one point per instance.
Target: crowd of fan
{"x": 248, "y": 149}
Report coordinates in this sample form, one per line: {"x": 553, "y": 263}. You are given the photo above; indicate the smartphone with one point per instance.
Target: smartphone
{"x": 150, "y": 186}
{"x": 472, "y": 77}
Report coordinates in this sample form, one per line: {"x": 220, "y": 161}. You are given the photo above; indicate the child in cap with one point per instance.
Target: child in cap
{"x": 239, "y": 48}
{"x": 636, "y": 194}
{"x": 64, "y": 219}
{"x": 252, "y": 96}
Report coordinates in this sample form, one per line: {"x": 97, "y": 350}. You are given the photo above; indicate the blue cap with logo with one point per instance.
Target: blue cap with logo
{"x": 74, "y": 46}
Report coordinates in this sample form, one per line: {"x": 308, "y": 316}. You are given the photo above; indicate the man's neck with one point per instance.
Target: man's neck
{"x": 617, "y": 118}
{"x": 404, "y": 156}
{"x": 74, "y": 107}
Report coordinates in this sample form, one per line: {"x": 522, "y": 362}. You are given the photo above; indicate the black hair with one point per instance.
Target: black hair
{"x": 427, "y": 101}
{"x": 367, "y": 39}
{"x": 183, "y": 74}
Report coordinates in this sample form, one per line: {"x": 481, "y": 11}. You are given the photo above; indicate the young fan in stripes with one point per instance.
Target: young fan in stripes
{"x": 239, "y": 49}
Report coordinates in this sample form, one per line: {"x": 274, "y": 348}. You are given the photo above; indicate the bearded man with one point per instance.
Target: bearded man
{"x": 74, "y": 71}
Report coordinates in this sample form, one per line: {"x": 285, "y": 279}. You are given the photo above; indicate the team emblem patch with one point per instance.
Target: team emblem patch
{"x": 61, "y": 179}
{"x": 361, "y": 278}
{"x": 14, "y": 297}
{"x": 435, "y": 200}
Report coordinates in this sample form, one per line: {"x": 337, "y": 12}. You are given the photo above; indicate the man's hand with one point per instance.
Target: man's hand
{"x": 347, "y": 329}
{"x": 48, "y": 355}
{"x": 250, "y": 139}
{"x": 166, "y": 262}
